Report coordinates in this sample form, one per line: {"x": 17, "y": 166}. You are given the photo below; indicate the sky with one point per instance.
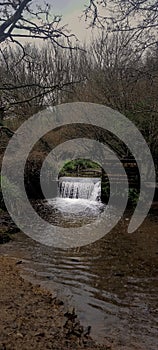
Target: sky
{"x": 68, "y": 7}
{"x": 72, "y": 10}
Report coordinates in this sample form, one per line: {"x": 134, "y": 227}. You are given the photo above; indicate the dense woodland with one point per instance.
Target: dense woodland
{"x": 107, "y": 71}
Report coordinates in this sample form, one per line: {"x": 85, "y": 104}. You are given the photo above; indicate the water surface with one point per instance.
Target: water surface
{"x": 112, "y": 283}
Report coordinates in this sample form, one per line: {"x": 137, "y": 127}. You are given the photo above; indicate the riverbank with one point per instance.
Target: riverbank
{"x": 31, "y": 318}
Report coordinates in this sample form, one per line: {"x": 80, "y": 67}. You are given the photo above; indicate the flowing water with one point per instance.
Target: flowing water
{"x": 78, "y": 202}
{"x": 112, "y": 283}
{"x": 83, "y": 188}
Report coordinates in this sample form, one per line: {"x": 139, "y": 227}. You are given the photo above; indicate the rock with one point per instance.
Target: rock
{"x": 40, "y": 334}
{"x": 18, "y": 262}
{"x": 18, "y": 334}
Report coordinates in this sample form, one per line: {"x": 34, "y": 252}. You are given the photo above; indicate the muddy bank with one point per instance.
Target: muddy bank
{"x": 7, "y": 227}
{"x": 32, "y": 318}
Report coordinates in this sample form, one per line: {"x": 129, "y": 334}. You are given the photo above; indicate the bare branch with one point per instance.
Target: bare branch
{"x": 125, "y": 15}
{"x": 45, "y": 91}
{"x": 11, "y": 21}
{"x": 19, "y": 20}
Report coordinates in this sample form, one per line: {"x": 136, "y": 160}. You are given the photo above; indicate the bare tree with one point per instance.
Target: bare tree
{"x": 43, "y": 79}
{"x": 139, "y": 17}
{"x": 112, "y": 71}
{"x": 119, "y": 77}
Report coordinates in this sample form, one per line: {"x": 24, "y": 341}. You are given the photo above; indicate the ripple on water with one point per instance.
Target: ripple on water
{"x": 112, "y": 283}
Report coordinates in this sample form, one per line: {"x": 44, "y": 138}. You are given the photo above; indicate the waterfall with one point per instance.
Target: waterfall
{"x": 82, "y": 188}
{"x": 96, "y": 193}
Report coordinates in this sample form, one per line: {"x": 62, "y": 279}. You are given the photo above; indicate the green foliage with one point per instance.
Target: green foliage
{"x": 133, "y": 197}
{"x": 133, "y": 194}
{"x": 78, "y": 164}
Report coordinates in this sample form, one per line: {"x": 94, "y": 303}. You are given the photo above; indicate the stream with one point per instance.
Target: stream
{"x": 112, "y": 283}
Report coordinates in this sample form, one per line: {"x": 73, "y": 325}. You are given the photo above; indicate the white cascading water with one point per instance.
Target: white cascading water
{"x": 78, "y": 199}
{"x": 80, "y": 188}
{"x": 96, "y": 193}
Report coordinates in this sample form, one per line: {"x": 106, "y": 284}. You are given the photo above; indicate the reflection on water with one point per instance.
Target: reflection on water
{"x": 112, "y": 283}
